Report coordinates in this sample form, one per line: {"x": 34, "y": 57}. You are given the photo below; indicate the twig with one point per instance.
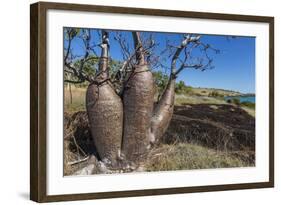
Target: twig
{"x": 78, "y": 147}
{"x": 67, "y": 136}
{"x": 78, "y": 161}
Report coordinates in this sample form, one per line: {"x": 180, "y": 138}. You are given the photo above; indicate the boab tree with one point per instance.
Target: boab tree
{"x": 105, "y": 110}
{"x": 138, "y": 106}
{"x": 124, "y": 120}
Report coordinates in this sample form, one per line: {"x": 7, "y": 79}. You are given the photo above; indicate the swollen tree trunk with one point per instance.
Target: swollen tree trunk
{"x": 163, "y": 112}
{"x": 138, "y": 106}
{"x": 105, "y": 111}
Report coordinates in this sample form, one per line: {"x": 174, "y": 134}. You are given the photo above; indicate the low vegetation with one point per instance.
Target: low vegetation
{"x": 215, "y": 94}
{"x": 74, "y": 99}
{"x": 181, "y": 99}
{"x": 184, "y": 156}
{"x": 249, "y": 107}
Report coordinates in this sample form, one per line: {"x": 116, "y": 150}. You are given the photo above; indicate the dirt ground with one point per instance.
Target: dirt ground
{"x": 222, "y": 127}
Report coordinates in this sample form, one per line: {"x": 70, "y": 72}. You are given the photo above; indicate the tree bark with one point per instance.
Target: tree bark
{"x": 138, "y": 106}
{"x": 105, "y": 111}
{"x": 163, "y": 112}
{"x": 164, "y": 109}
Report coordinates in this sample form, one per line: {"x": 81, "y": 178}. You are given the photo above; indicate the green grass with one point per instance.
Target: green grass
{"x": 189, "y": 156}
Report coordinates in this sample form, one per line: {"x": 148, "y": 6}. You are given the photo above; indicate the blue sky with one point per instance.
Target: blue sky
{"x": 234, "y": 66}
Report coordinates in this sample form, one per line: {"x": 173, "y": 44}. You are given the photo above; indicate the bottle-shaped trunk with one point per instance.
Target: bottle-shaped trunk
{"x": 105, "y": 112}
{"x": 163, "y": 112}
{"x": 138, "y": 106}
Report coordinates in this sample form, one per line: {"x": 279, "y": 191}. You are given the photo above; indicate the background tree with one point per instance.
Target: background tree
{"x": 161, "y": 79}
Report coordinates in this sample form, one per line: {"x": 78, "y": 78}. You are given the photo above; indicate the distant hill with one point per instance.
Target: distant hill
{"x": 249, "y": 94}
{"x": 208, "y": 91}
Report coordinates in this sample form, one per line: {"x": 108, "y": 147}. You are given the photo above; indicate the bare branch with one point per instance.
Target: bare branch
{"x": 183, "y": 58}
{"x": 196, "y": 66}
{"x": 77, "y": 70}
{"x": 74, "y": 82}
{"x": 81, "y": 76}
{"x": 68, "y": 32}
{"x": 125, "y": 49}
{"x": 127, "y": 66}
{"x": 86, "y": 41}
{"x": 78, "y": 161}
{"x": 138, "y": 47}
{"x": 188, "y": 39}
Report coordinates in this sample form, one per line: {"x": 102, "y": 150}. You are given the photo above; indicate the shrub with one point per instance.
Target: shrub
{"x": 229, "y": 101}
{"x": 181, "y": 88}
{"x": 215, "y": 94}
{"x": 161, "y": 80}
{"x": 236, "y": 101}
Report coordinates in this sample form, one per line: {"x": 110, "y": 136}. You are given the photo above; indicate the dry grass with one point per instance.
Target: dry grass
{"x": 193, "y": 99}
{"x": 207, "y": 91}
{"x": 182, "y": 99}
{"x": 69, "y": 155}
{"x": 201, "y": 151}
{"x": 174, "y": 156}
{"x": 185, "y": 156}
{"x": 250, "y": 111}
{"x": 78, "y": 99}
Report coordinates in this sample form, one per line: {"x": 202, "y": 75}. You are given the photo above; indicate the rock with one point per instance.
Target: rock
{"x": 103, "y": 168}
{"x": 88, "y": 170}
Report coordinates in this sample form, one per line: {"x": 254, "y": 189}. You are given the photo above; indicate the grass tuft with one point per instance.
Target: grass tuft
{"x": 185, "y": 156}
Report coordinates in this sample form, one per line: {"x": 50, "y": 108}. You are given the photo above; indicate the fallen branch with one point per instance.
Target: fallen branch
{"x": 78, "y": 161}
{"x": 78, "y": 147}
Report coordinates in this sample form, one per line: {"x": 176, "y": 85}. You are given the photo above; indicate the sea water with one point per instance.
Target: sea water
{"x": 251, "y": 99}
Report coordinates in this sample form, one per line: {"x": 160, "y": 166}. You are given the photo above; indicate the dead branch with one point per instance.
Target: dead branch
{"x": 78, "y": 147}
{"x": 78, "y": 161}
{"x": 125, "y": 49}
{"x": 131, "y": 58}
{"x": 68, "y": 32}
{"x": 77, "y": 70}
{"x": 138, "y": 48}
{"x": 74, "y": 82}
{"x": 187, "y": 40}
